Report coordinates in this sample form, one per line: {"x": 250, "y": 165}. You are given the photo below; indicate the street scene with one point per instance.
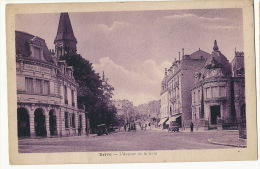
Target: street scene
{"x": 131, "y": 80}
{"x": 134, "y": 141}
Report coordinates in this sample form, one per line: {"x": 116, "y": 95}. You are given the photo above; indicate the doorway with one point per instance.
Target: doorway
{"x": 39, "y": 121}
{"x": 23, "y": 122}
{"x": 53, "y": 123}
{"x": 215, "y": 113}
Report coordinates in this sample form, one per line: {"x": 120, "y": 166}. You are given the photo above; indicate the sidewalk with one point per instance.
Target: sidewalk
{"x": 229, "y": 138}
{"x": 223, "y": 137}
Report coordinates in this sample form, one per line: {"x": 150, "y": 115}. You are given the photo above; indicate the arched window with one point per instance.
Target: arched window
{"x": 66, "y": 120}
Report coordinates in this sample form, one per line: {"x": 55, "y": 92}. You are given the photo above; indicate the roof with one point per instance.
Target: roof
{"x": 65, "y": 31}
{"x": 218, "y": 60}
{"x": 199, "y": 55}
{"x": 22, "y": 46}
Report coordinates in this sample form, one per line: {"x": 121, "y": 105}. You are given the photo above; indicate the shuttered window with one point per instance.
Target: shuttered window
{"x": 28, "y": 85}
{"x": 46, "y": 87}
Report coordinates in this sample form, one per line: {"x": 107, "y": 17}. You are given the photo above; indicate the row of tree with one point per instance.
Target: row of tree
{"x": 94, "y": 93}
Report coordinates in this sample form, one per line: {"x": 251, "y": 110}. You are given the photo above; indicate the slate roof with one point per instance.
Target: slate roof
{"x": 65, "y": 31}
{"x": 219, "y": 58}
{"x": 22, "y": 41}
{"x": 198, "y": 54}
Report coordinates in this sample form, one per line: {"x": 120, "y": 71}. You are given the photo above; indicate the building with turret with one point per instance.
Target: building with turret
{"x": 218, "y": 94}
{"x": 46, "y": 88}
{"x": 204, "y": 89}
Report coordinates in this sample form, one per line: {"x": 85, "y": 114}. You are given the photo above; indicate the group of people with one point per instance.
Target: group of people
{"x": 128, "y": 127}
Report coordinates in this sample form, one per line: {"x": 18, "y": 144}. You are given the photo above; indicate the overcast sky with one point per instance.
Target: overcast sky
{"x": 133, "y": 48}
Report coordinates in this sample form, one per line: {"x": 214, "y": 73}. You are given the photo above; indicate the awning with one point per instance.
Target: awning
{"x": 173, "y": 118}
{"x": 163, "y": 120}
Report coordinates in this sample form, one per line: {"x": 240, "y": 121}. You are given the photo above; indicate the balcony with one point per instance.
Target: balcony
{"x": 215, "y": 99}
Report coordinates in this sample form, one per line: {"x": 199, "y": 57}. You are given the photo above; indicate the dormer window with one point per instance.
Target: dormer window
{"x": 37, "y": 53}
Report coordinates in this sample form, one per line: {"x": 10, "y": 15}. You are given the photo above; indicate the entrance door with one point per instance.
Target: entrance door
{"x": 80, "y": 121}
{"x": 53, "y": 123}
{"x": 215, "y": 112}
{"x": 23, "y": 122}
{"x": 39, "y": 121}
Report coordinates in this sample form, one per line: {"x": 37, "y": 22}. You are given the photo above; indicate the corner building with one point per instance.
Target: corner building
{"x": 46, "y": 88}
{"x": 218, "y": 95}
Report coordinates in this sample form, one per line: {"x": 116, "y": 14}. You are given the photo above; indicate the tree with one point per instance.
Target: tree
{"x": 92, "y": 93}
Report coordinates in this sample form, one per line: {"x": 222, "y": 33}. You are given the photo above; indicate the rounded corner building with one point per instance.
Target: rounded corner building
{"x": 46, "y": 89}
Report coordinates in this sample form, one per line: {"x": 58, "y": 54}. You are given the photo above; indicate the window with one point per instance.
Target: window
{"x": 46, "y": 87}
{"x": 215, "y": 92}
{"x": 38, "y": 86}
{"x": 222, "y": 91}
{"x": 72, "y": 97}
{"x": 37, "y": 53}
{"x": 208, "y": 92}
{"x": 73, "y": 120}
{"x": 28, "y": 85}
{"x": 65, "y": 95}
{"x": 66, "y": 120}
{"x": 198, "y": 95}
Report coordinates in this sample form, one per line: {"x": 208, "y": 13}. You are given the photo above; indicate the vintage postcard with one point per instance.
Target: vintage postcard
{"x": 131, "y": 82}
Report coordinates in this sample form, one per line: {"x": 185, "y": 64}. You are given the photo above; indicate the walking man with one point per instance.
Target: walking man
{"x": 191, "y": 126}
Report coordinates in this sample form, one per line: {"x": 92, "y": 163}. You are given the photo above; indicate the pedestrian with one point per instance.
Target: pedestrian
{"x": 79, "y": 131}
{"x": 87, "y": 131}
{"x": 125, "y": 127}
{"x": 191, "y": 126}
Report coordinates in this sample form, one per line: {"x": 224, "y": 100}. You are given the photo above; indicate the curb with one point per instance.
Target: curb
{"x": 224, "y": 144}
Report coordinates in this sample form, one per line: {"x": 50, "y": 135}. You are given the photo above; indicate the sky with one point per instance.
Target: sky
{"x": 134, "y": 47}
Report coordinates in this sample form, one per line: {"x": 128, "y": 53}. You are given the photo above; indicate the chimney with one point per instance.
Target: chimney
{"x": 215, "y": 47}
{"x": 179, "y": 56}
{"x": 182, "y": 52}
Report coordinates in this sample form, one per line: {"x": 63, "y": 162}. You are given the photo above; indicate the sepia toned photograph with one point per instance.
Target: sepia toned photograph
{"x": 131, "y": 83}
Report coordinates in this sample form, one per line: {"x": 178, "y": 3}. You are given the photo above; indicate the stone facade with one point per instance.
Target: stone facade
{"x": 175, "y": 88}
{"x": 218, "y": 95}
{"x": 46, "y": 88}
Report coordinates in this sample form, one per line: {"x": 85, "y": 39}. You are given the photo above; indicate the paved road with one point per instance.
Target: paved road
{"x": 123, "y": 141}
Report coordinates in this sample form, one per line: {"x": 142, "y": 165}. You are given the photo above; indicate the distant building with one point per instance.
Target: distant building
{"x": 46, "y": 88}
{"x": 175, "y": 88}
{"x": 149, "y": 112}
{"x": 125, "y": 111}
{"x": 218, "y": 95}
